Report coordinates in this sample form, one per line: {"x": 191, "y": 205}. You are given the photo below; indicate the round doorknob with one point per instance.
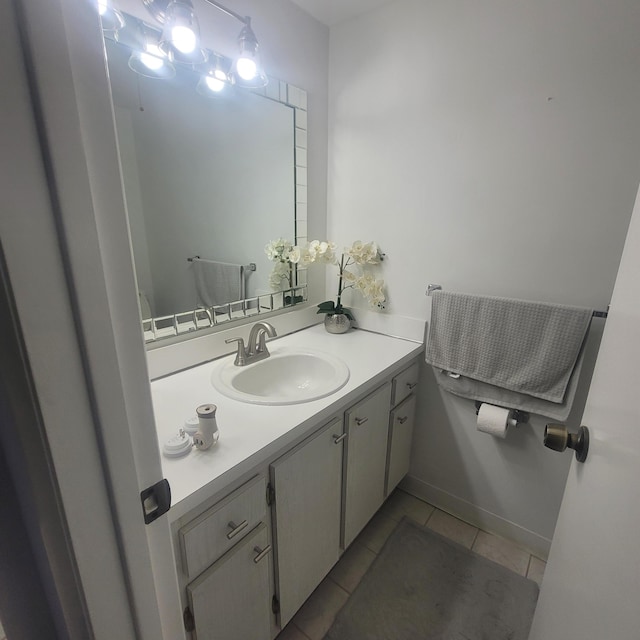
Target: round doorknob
{"x": 558, "y": 438}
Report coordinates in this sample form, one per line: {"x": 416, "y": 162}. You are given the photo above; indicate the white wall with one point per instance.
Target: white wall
{"x": 493, "y": 148}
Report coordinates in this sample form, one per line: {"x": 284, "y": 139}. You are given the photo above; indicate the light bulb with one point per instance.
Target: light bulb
{"x": 247, "y": 68}
{"x": 152, "y": 57}
{"x": 216, "y": 82}
{"x": 150, "y": 61}
{"x": 183, "y": 39}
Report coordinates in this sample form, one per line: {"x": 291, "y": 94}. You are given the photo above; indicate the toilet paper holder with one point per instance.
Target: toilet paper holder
{"x": 558, "y": 438}
{"x": 519, "y": 416}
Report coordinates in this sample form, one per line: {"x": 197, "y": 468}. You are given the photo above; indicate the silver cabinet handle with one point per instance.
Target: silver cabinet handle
{"x": 412, "y": 385}
{"x": 261, "y": 553}
{"x": 403, "y": 419}
{"x": 236, "y": 528}
{"x": 360, "y": 421}
{"x": 339, "y": 439}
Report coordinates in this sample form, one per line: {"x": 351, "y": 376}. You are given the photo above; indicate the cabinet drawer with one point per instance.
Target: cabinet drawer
{"x": 213, "y": 533}
{"x": 404, "y": 383}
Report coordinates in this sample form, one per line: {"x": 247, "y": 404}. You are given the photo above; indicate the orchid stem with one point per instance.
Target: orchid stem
{"x": 342, "y": 265}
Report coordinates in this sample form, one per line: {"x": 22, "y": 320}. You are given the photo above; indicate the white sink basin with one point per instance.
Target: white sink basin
{"x": 287, "y": 376}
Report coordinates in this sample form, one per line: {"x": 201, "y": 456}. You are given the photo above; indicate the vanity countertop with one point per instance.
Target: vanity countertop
{"x": 251, "y": 434}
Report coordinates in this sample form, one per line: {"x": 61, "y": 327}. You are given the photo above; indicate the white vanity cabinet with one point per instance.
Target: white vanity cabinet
{"x": 401, "y": 422}
{"x": 262, "y": 518}
{"x": 226, "y": 558}
{"x": 308, "y": 488}
{"x": 365, "y": 460}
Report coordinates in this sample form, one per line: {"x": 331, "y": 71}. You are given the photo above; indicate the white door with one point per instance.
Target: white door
{"x": 66, "y": 245}
{"x": 592, "y": 582}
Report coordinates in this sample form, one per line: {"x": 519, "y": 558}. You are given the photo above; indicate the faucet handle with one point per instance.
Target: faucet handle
{"x": 241, "y": 354}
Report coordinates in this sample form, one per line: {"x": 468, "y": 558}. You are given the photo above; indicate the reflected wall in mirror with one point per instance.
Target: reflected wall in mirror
{"x": 215, "y": 176}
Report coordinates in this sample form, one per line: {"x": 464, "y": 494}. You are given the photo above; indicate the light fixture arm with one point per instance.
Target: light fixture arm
{"x": 246, "y": 20}
{"x": 158, "y": 9}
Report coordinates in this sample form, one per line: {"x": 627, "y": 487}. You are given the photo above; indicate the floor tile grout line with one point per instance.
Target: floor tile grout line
{"x": 475, "y": 537}
{"x": 528, "y": 566}
{"x": 301, "y": 631}
{"x": 430, "y": 515}
{"x": 338, "y": 585}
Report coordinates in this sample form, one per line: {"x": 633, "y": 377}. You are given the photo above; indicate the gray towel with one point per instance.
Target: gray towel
{"x": 217, "y": 282}
{"x": 526, "y": 347}
{"x": 483, "y": 392}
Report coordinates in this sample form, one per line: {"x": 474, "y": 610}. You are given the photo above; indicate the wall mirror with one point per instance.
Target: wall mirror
{"x": 209, "y": 180}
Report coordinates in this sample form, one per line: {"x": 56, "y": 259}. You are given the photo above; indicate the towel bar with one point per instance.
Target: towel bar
{"x": 436, "y": 287}
{"x": 247, "y": 267}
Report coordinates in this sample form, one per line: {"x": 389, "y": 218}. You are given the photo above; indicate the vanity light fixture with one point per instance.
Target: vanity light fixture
{"x": 181, "y": 39}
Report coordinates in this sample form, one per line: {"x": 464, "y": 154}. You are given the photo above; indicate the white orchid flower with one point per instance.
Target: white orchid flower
{"x": 305, "y": 257}
{"x": 294, "y": 255}
{"x": 348, "y": 276}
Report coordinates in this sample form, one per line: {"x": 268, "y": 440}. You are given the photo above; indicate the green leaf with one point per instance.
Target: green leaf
{"x": 331, "y": 307}
{"x": 327, "y": 307}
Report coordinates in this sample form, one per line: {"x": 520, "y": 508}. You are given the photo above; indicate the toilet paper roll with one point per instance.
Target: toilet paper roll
{"x": 495, "y": 420}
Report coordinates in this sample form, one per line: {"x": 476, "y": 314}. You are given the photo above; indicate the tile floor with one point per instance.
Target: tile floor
{"x": 318, "y": 613}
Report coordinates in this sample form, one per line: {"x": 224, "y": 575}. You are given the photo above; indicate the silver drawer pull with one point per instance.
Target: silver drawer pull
{"x": 412, "y": 385}
{"x": 403, "y": 419}
{"x": 339, "y": 439}
{"x": 360, "y": 421}
{"x": 261, "y": 553}
{"x": 236, "y": 528}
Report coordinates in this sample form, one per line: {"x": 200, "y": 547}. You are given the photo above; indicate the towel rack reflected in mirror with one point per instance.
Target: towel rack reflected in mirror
{"x": 247, "y": 267}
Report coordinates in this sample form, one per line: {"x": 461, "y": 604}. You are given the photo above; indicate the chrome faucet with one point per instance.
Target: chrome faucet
{"x": 256, "y": 349}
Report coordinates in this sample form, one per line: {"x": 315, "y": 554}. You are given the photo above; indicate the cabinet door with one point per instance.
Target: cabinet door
{"x": 400, "y": 436}
{"x": 232, "y": 599}
{"x": 308, "y": 486}
{"x": 367, "y": 436}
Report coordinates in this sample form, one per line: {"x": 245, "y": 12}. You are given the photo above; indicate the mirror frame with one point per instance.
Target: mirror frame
{"x": 196, "y": 321}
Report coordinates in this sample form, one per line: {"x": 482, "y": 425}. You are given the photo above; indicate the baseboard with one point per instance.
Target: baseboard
{"x": 536, "y": 544}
